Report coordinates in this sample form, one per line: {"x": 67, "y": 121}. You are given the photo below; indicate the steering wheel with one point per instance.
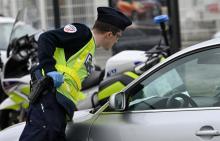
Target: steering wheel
{"x": 186, "y": 101}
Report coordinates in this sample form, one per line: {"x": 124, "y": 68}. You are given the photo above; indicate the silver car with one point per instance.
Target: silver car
{"x": 177, "y": 100}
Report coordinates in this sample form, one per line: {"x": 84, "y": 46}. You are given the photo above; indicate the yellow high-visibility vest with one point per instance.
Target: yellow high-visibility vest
{"x": 74, "y": 70}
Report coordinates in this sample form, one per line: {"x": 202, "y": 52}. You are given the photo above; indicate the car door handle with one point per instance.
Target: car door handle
{"x": 208, "y": 133}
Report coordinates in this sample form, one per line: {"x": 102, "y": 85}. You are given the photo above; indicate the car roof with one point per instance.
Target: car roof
{"x": 6, "y": 20}
{"x": 207, "y": 43}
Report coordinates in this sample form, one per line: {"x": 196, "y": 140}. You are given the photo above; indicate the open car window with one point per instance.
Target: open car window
{"x": 192, "y": 81}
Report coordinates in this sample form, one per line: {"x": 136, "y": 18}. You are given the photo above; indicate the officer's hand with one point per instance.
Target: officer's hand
{"x": 57, "y": 78}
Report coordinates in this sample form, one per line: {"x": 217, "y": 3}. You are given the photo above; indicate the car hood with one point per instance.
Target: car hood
{"x": 13, "y": 132}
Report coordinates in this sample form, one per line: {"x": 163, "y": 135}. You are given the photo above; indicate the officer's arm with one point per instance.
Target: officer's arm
{"x": 46, "y": 47}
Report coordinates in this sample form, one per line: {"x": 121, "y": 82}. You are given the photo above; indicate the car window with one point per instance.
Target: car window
{"x": 193, "y": 81}
{"x": 5, "y": 29}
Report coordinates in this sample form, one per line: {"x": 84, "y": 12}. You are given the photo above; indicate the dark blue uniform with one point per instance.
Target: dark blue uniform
{"x": 46, "y": 120}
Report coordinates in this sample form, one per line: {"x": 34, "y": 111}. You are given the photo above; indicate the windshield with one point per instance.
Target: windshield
{"x": 6, "y": 29}
{"x": 23, "y": 29}
{"x": 22, "y": 26}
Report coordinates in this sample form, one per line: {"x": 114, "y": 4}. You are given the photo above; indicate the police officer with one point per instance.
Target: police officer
{"x": 65, "y": 55}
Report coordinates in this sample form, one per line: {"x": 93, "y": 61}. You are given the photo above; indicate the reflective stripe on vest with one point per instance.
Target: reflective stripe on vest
{"x": 74, "y": 70}
{"x": 70, "y": 72}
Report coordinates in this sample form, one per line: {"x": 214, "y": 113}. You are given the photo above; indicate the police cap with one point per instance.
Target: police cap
{"x": 113, "y": 17}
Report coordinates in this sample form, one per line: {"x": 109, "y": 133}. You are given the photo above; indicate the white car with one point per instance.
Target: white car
{"x": 6, "y": 25}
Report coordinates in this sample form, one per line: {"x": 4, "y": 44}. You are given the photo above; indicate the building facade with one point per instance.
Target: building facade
{"x": 41, "y": 12}
{"x": 199, "y": 19}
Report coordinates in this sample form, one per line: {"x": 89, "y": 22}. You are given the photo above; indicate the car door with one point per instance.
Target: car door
{"x": 178, "y": 101}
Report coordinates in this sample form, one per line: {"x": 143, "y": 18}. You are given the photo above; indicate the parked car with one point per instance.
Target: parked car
{"x": 6, "y": 24}
{"x": 176, "y": 100}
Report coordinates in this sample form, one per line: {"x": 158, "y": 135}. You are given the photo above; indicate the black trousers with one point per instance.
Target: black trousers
{"x": 46, "y": 120}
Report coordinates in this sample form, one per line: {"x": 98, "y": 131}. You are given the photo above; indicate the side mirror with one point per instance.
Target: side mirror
{"x": 118, "y": 101}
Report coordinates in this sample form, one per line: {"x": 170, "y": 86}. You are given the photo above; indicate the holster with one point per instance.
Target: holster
{"x": 40, "y": 86}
